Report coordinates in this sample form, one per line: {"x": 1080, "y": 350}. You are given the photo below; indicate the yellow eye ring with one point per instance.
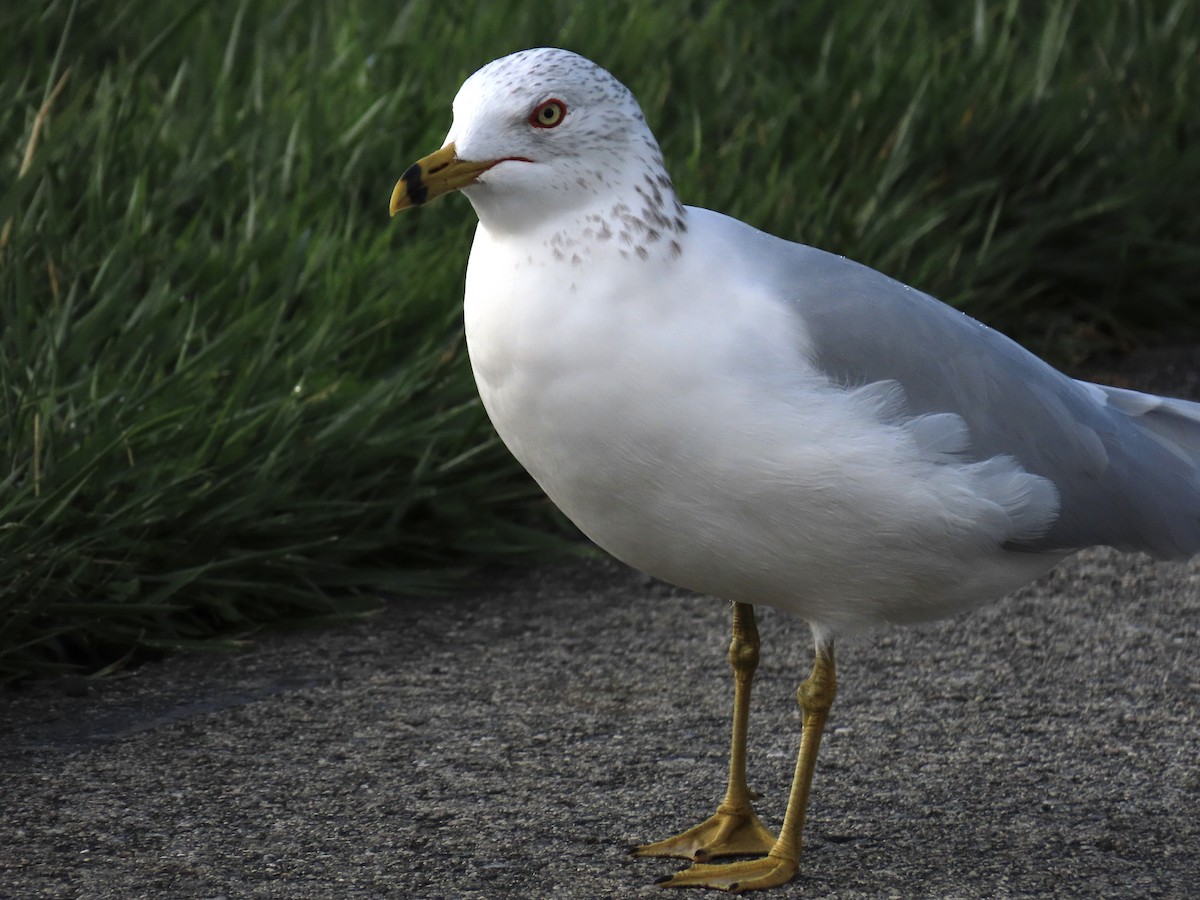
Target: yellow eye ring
{"x": 548, "y": 114}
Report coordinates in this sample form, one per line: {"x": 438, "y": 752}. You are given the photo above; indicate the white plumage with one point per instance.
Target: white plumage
{"x": 760, "y": 420}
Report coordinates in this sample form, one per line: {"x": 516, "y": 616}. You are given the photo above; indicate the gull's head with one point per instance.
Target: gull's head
{"x": 537, "y": 134}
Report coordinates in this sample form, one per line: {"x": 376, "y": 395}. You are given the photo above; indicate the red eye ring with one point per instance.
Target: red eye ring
{"x": 548, "y": 114}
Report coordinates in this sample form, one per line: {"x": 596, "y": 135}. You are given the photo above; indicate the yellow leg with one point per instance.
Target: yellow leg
{"x": 734, "y": 829}
{"x": 782, "y": 860}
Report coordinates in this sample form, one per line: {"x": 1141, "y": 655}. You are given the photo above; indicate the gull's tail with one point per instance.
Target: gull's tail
{"x": 1174, "y": 426}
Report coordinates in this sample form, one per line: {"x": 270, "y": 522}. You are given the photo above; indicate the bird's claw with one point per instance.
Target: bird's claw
{"x": 727, "y": 832}
{"x": 735, "y": 877}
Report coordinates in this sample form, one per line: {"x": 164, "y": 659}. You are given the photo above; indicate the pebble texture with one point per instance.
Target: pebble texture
{"x": 511, "y": 744}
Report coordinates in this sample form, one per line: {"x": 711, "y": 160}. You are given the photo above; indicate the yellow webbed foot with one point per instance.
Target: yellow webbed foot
{"x": 728, "y": 832}
{"x": 735, "y": 877}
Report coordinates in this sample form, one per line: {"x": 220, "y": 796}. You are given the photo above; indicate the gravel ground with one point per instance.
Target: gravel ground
{"x": 512, "y": 742}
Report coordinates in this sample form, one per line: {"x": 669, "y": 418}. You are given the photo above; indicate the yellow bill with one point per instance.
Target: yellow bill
{"x": 438, "y": 173}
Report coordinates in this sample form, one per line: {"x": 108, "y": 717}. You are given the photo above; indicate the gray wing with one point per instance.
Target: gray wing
{"x": 1126, "y": 465}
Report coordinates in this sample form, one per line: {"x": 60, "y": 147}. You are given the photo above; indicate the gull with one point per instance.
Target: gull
{"x": 764, "y": 421}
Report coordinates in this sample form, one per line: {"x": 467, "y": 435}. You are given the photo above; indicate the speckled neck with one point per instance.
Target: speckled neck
{"x": 645, "y": 220}
{"x": 649, "y": 218}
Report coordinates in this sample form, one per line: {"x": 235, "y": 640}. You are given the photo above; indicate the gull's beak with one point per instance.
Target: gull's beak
{"x": 438, "y": 173}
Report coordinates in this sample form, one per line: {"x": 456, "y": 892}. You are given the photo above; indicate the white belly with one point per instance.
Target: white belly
{"x": 691, "y": 438}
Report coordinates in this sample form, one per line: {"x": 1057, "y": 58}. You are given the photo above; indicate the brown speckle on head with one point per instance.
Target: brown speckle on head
{"x": 599, "y": 174}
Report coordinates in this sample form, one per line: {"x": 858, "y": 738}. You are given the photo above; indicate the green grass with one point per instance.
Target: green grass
{"x": 233, "y": 393}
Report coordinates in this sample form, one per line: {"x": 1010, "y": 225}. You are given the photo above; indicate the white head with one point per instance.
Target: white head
{"x": 545, "y": 133}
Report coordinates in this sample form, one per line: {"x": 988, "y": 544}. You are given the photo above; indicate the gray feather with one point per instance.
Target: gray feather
{"x": 1125, "y": 464}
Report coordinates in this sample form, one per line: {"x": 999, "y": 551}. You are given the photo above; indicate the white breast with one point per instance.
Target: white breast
{"x": 687, "y": 433}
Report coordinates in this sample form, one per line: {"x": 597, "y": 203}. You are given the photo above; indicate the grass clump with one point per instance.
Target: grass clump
{"x": 227, "y": 397}
{"x": 232, "y": 393}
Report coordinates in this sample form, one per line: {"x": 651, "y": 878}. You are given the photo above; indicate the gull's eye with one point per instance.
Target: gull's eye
{"x": 548, "y": 114}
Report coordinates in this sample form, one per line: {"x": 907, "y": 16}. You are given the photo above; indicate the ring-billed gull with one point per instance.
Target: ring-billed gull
{"x": 765, "y": 421}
